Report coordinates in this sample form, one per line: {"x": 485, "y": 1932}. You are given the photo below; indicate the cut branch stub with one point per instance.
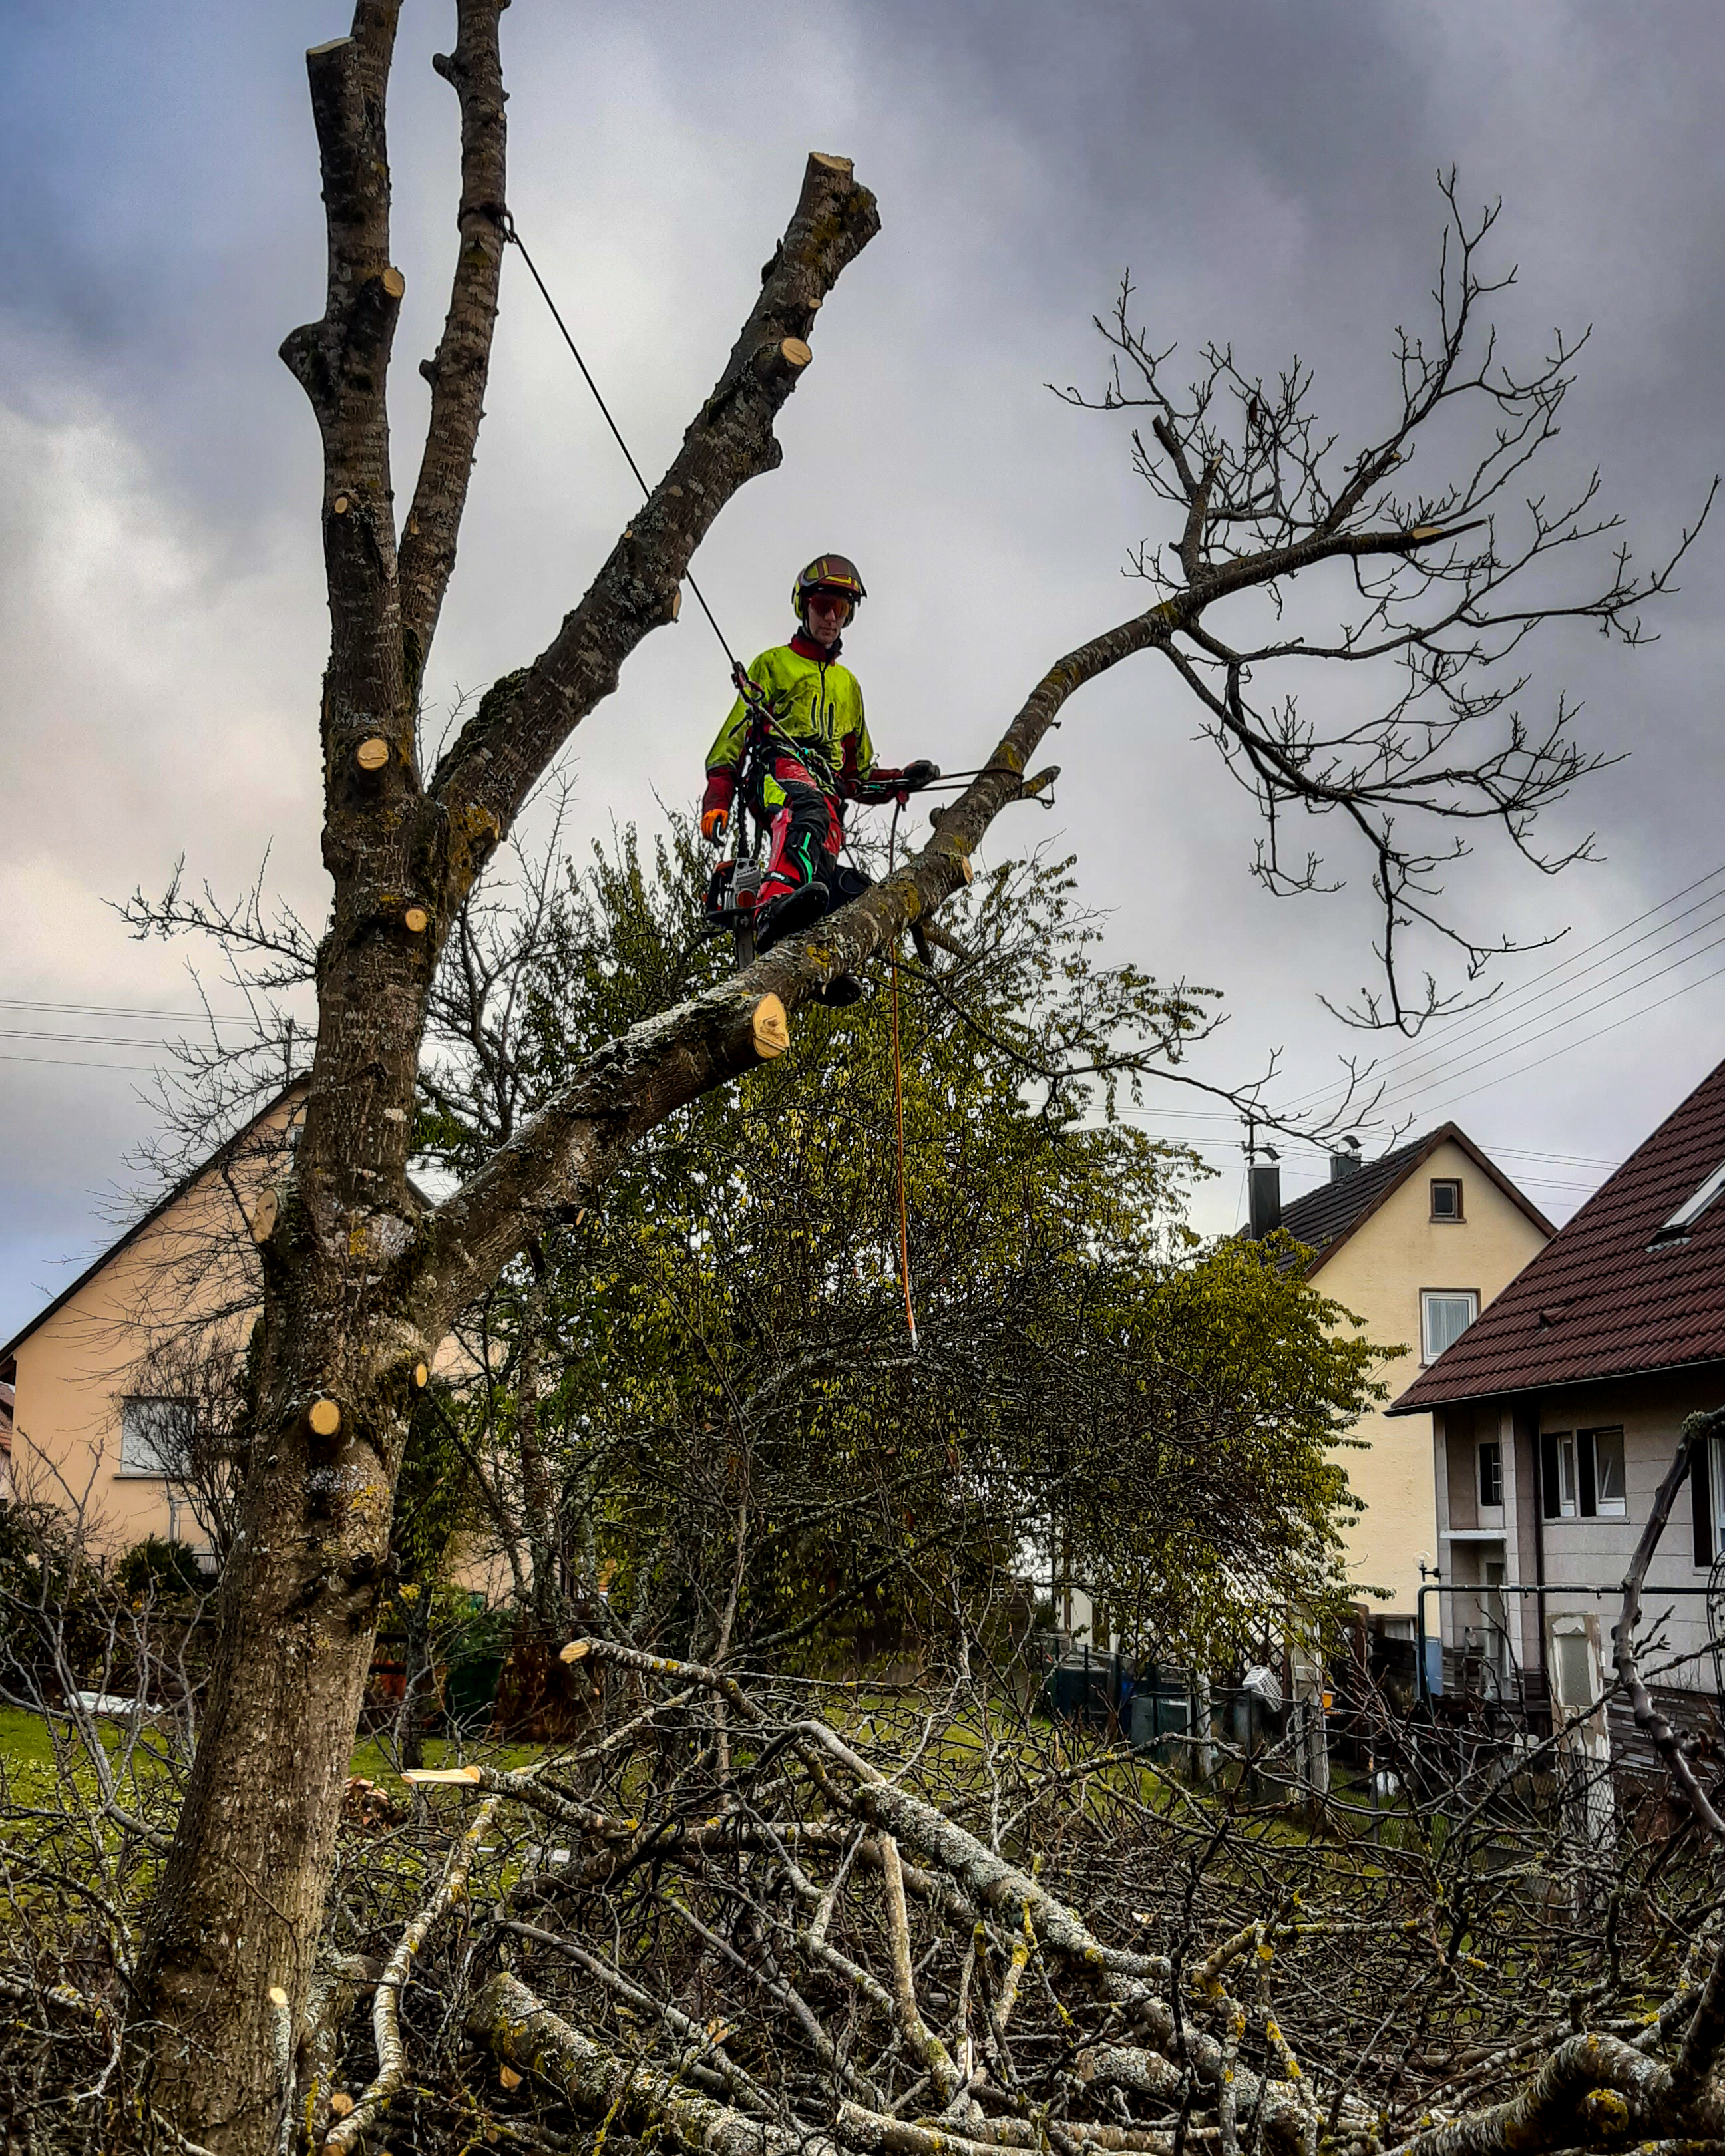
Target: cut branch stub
{"x": 770, "y": 1028}
{"x": 372, "y": 753}
{"x": 324, "y": 1417}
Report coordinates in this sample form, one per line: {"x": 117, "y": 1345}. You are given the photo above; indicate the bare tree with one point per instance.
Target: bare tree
{"x": 1443, "y": 584}
{"x": 361, "y": 1282}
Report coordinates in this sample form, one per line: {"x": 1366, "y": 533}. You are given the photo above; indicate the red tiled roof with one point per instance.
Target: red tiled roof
{"x": 1599, "y": 1300}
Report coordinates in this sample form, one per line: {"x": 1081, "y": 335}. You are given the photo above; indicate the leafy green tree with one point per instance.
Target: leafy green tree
{"x": 1203, "y": 1493}
{"x": 701, "y": 1398}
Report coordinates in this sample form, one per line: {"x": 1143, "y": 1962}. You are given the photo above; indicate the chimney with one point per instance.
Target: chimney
{"x": 1265, "y": 1203}
{"x": 1343, "y": 1165}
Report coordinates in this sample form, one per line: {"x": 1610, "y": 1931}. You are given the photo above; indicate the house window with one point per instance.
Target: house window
{"x": 1677, "y": 1228}
{"x": 1493, "y": 1604}
{"x": 1581, "y": 1475}
{"x": 155, "y": 1436}
{"x": 1606, "y": 1448}
{"x": 1445, "y": 1315}
{"x": 1575, "y": 1666}
{"x": 1706, "y": 1500}
{"x": 1446, "y": 1198}
{"x": 1491, "y": 1472}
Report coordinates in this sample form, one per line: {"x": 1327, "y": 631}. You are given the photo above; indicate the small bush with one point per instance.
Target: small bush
{"x": 156, "y": 1567}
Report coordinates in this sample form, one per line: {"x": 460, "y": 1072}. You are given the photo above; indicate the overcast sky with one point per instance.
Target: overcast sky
{"x": 1267, "y": 171}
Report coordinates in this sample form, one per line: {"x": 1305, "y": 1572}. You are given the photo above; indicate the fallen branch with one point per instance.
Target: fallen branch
{"x": 386, "y": 2007}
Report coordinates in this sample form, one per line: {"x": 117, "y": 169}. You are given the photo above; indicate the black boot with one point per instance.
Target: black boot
{"x": 784, "y": 916}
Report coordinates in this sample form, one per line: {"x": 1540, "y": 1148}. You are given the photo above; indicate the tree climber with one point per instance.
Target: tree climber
{"x": 800, "y": 747}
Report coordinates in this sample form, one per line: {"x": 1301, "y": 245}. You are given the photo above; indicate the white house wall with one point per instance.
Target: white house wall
{"x": 1586, "y": 1553}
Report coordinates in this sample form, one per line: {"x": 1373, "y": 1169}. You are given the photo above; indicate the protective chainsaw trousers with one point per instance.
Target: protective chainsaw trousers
{"x": 802, "y": 819}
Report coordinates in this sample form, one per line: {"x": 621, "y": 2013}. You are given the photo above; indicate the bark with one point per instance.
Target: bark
{"x": 531, "y": 2039}
{"x": 1591, "y": 2088}
{"x": 239, "y": 1907}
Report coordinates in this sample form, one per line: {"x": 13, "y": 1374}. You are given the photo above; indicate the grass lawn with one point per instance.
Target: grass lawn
{"x": 24, "y": 1738}
{"x": 24, "y": 1742}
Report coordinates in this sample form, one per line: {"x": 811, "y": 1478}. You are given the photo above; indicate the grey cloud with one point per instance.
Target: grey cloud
{"x": 1266, "y": 170}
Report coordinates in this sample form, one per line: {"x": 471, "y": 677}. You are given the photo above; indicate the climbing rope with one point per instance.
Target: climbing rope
{"x": 513, "y": 238}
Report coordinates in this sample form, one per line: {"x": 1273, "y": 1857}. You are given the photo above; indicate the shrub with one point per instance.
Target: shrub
{"x": 156, "y": 1567}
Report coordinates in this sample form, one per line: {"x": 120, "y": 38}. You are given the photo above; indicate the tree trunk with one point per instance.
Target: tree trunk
{"x": 342, "y": 1346}
{"x": 360, "y": 1285}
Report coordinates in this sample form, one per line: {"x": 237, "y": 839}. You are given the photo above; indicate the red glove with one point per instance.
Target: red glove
{"x": 715, "y": 804}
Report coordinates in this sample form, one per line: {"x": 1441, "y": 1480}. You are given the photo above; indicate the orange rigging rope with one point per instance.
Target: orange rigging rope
{"x": 898, "y": 1100}
{"x": 898, "y": 1109}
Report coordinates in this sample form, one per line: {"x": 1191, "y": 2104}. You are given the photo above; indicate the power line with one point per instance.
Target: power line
{"x": 122, "y": 1010}
{"x": 1417, "y": 1080}
{"x": 1489, "y": 1017}
{"x": 1563, "y": 1025}
{"x": 1627, "y": 1018}
{"x": 1530, "y": 1182}
{"x": 74, "y": 1063}
{"x": 87, "y": 1039}
{"x": 1484, "y": 1017}
{"x": 1221, "y": 1116}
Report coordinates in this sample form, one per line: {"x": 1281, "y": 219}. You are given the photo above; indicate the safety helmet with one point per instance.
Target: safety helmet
{"x": 828, "y": 573}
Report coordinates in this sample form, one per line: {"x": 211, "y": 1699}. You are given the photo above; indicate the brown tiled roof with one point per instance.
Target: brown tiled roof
{"x": 1599, "y": 1300}
{"x": 1325, "y": 1217}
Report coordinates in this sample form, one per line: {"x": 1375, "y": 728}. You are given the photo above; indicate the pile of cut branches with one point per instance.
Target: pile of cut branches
{"x": 924, "y": 1925}
{"x": 751, "y": 1913}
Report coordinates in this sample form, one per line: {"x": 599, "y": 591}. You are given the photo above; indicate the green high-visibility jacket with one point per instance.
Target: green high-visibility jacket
{"x": 818, "y": 715}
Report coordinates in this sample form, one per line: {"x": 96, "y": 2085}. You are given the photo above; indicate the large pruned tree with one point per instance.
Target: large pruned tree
{"x": 360, "y": 1281}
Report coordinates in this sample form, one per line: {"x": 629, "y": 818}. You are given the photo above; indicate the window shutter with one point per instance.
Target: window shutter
{"x": 1549, "y": 1501}
{"x": 1587, "y": 1488}
{"x": 1700, "y": 1501}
